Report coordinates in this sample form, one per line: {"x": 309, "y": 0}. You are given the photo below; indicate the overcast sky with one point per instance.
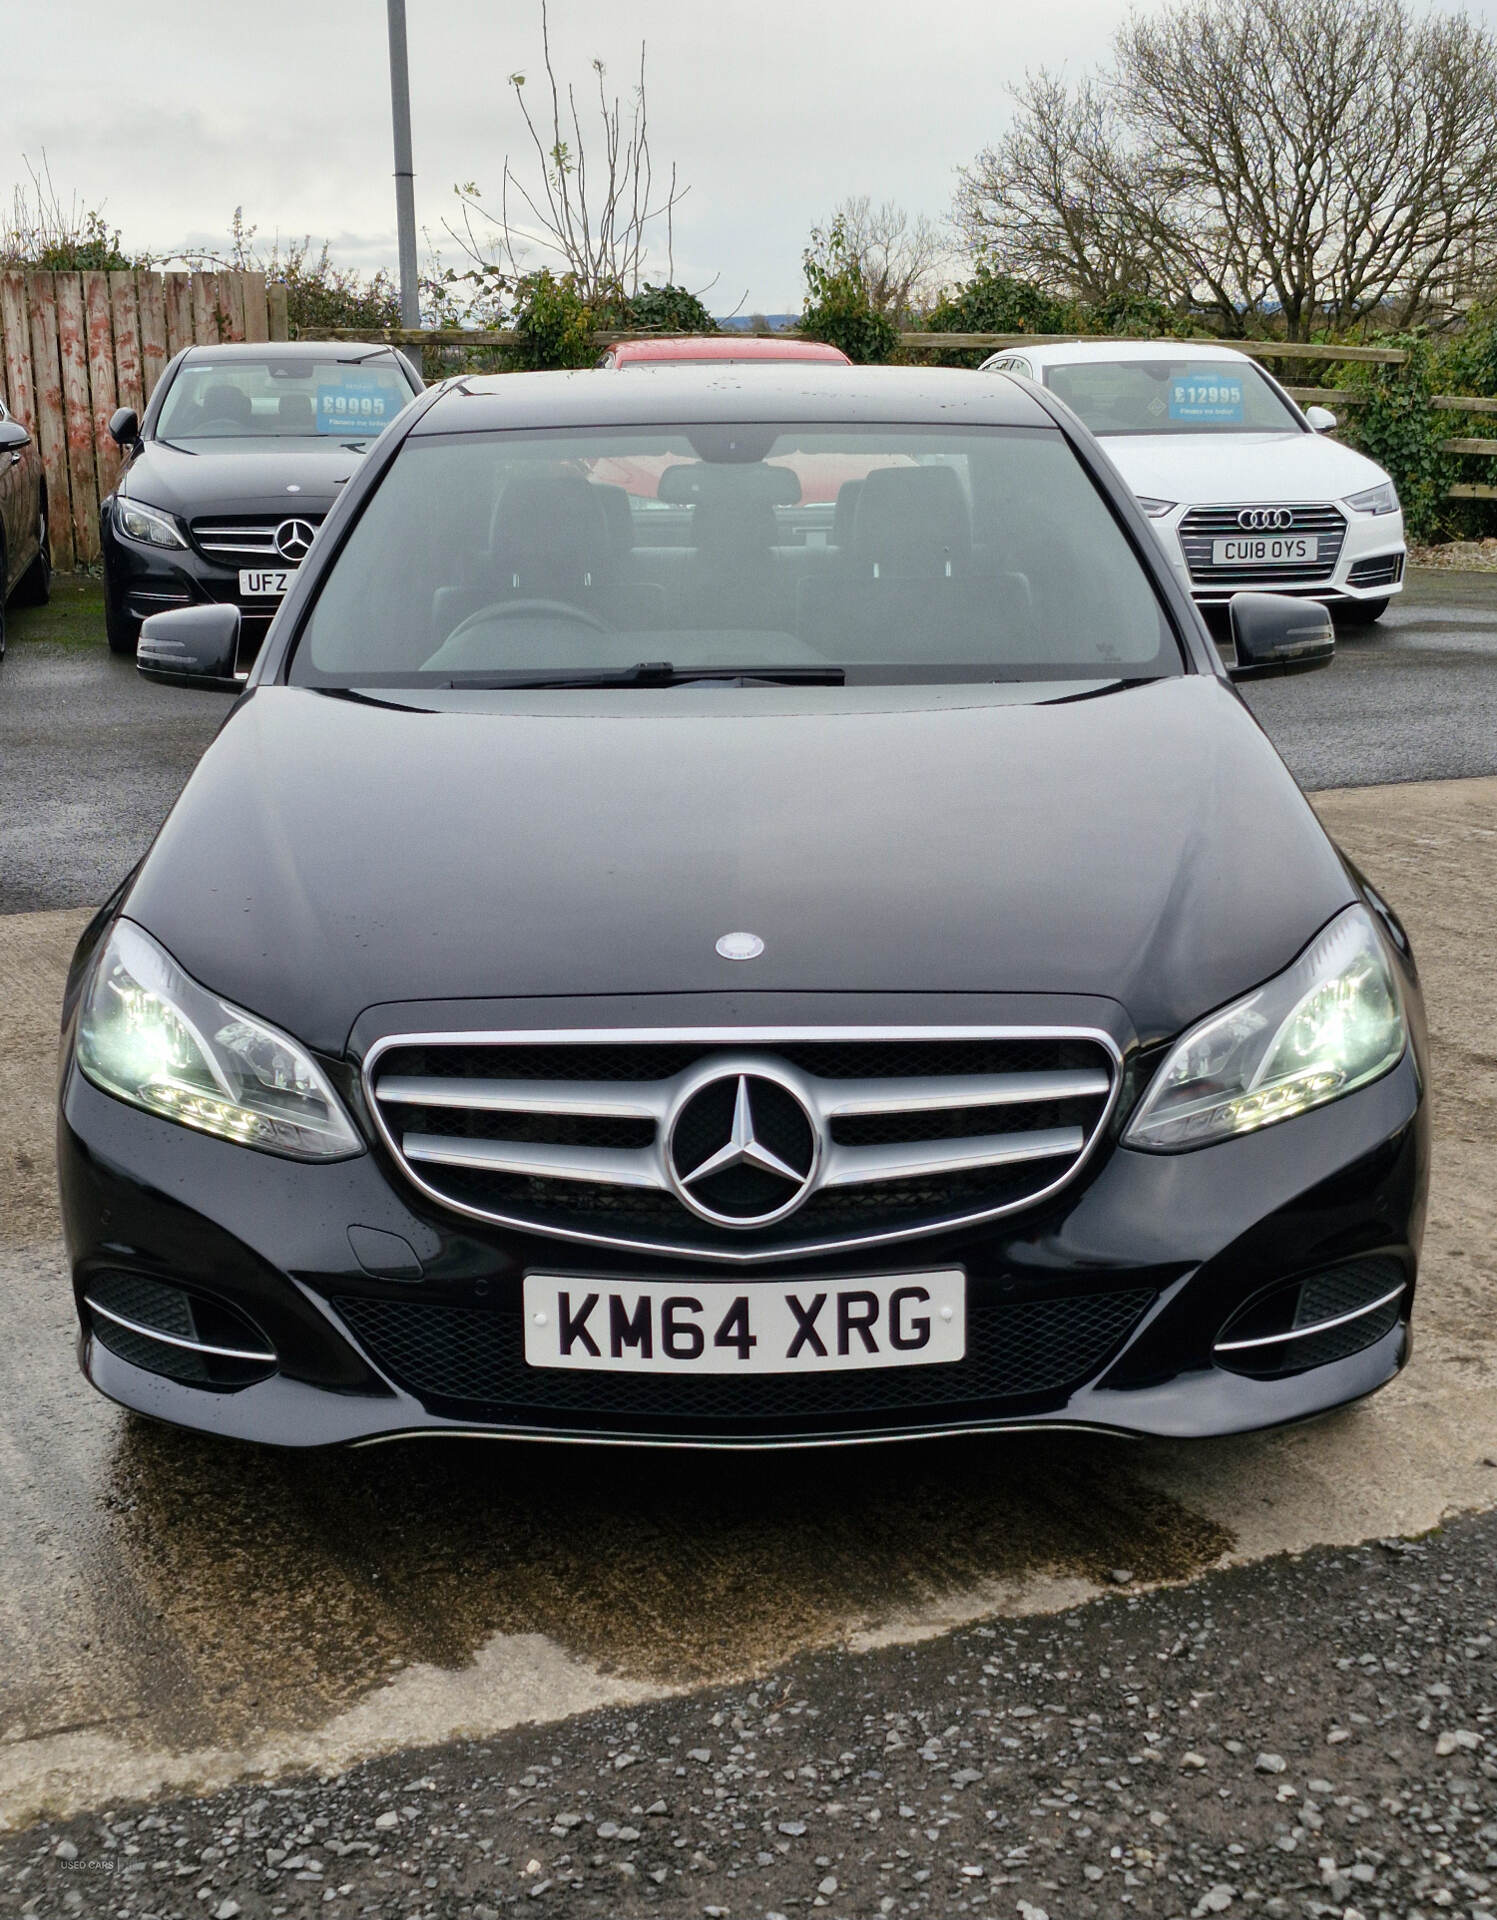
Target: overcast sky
{"x": 173, "y": 112}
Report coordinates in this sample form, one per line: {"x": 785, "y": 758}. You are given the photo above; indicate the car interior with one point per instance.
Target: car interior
{"x": 727, "y": 561}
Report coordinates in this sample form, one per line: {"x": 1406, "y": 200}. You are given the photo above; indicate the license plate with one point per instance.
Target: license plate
{"x": 709, "y": 1326}
{"x": 260, "y": 583}
{"x": 1265, "y": 550}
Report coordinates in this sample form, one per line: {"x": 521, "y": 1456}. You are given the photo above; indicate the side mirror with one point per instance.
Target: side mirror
{"x": 13, "y": 436}
{"x": 191, "y": 647}
{"x": 1275, "y": 634}
{"x": 1322, "y": 419}
{"x": 124, "y": 426}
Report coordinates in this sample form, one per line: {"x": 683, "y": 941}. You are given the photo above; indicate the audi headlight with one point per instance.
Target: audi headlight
{"x": 150, "y": 1035}
{"x": 1156, "y": 509}
{"x": 1333, "y": 1022}
{"x": 140, "y": 522}
{"x": 1383, "y": 499}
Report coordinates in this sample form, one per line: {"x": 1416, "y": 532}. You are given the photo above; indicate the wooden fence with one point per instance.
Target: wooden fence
{"x": 75, "y": 346}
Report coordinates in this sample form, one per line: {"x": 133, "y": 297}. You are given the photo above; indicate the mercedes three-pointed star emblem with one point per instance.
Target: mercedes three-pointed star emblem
{"x": 765, "y": 1107}
{"x": 741, "y": 1148}
{"x": 293, "y": 540}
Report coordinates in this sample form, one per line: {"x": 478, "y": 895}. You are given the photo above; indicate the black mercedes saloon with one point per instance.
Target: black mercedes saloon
{"x": 242, "y": 450}
{"x": 740, "y": 906}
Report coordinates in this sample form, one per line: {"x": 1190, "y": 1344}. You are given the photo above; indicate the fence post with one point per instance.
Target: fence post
{"x": 151, "y": 296}
{"x": 178, "y": 288}
{"x": 124, "y": 301}
{"x": 276, "y": 315}
{"x": 16, "y": 322}
{"x": 51, "y": 435}
{"x": 256, "y": 318}
{"x": 72, "y": 345}
{"x": 102, "y": 356}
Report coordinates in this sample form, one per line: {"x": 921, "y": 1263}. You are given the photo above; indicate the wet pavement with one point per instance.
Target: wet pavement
{"x": 179, "y": 1612}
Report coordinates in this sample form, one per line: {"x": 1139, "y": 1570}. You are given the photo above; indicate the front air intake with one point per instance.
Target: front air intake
{"x": 1312, "y": 1321}
{"x": 167, "y": 1330}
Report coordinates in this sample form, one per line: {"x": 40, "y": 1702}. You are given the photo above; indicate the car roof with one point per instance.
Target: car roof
{"x": 349, "y": 350}
{"x": 1071, "y": 351}
{"x": 728, "y": 346}
{"x": 688, "y": 395}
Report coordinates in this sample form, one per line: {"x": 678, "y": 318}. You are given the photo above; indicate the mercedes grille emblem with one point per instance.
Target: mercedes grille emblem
{"x": 292, "y": 540}
{"x": 742, "y": 1149}
{"x": 1265, "y": 519}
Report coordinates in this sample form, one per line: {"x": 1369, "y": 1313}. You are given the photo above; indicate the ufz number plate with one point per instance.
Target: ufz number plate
{"x": 690, "y": 1326}
{"x": 260, "y": 583}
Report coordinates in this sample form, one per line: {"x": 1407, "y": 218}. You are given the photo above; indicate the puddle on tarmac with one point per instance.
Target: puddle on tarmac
{"x": 281, "y": 1587}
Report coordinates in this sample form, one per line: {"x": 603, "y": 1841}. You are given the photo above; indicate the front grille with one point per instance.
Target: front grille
{"x": 246, "y": 539}
{"x": 468, "y": 1362}
{"x": 1202, "y": 525}
{"x": 1382, "y": 570}
{"x": 613, "y": 1138}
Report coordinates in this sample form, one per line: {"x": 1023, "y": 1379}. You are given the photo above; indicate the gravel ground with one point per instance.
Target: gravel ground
{"x": 1467, "y": 556}
{"x": 1303, "y": 1737}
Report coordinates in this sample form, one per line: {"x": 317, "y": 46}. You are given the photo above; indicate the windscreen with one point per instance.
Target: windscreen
{"x": 889, "y": 553}
{"x": 1171, "y": 396}
{"x": 241, "y": 399}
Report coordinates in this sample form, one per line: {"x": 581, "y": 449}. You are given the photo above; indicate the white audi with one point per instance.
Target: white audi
{"x": 1244, "y": 489}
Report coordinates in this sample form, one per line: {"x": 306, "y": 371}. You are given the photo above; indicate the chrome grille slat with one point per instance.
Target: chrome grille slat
{"x": 860, "y": 1166}
{"x": 600, "y": 1136}
{"x": 611, "y": 1166}
{"x": 842, "y": 1098}
{"x": 605, "y": 1098}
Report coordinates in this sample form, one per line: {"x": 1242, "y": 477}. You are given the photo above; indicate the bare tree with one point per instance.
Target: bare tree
{"x": 903, "y": 257}
{"x": 592, "y": 212}
{"x": 1325, "y": 160}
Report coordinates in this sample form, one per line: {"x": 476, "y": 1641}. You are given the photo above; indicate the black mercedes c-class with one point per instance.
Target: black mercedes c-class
{"x": 740, "y": 906}
{"x": 242, "y": 450}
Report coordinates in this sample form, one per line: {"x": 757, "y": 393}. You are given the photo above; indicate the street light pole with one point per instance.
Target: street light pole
{"x": 405, "y": 179}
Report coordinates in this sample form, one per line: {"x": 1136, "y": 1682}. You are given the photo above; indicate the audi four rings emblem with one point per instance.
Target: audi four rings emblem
{"x": 1265, "y": 519}
{"x": 292, "y": 540}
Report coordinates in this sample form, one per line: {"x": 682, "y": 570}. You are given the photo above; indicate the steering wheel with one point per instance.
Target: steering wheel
{"x": 516, "y": 609}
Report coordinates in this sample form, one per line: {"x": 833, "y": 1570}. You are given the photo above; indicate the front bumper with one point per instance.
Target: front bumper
{"x": 144, "y": 579}
{"x": 1369, "y": 566}
{"x": 1163, "y": 1250}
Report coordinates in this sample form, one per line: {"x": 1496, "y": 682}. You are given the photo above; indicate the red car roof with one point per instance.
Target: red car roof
{"x": 725, "y": 346}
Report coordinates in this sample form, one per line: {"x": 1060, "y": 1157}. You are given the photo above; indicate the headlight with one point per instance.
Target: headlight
{"x": 1383, "y": 499}
{"x": 150, "y": 524}
{"x": 1156, "y": 509}
{"x": 1330, "y": 1024}
{"x": 150, "y": 1035}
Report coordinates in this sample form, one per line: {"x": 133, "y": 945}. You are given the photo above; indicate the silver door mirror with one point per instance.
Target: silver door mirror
{"x": 1322, "y": 419}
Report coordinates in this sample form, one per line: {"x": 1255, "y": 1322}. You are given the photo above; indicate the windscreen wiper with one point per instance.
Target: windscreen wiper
{"x": 657, "y": 673}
